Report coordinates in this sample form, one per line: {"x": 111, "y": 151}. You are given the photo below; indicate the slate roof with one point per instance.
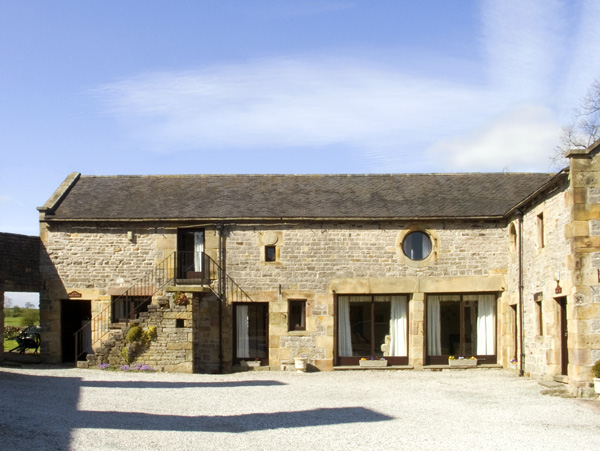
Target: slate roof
{"x": 214, "y": 197}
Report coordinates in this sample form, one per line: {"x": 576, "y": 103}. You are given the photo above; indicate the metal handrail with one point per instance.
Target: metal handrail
{"x": 146, "y": 287}
{"x": 178, "y": 268}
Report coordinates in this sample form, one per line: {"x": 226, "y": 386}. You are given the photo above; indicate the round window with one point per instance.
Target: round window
{"x": 417, "y": 245}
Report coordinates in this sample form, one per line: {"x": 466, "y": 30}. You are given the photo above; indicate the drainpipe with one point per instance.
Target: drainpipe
{"x": 221, "y": 294}
{"x": 522, "y": 353}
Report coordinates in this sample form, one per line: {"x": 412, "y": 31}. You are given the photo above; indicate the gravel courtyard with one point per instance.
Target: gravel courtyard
{"x": 44, "y": 407}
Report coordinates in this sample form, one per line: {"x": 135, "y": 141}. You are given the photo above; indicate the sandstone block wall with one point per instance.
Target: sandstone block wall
{"x": 541, "y": 267}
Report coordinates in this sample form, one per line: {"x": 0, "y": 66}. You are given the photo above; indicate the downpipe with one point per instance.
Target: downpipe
{"x": 521, "y": 352}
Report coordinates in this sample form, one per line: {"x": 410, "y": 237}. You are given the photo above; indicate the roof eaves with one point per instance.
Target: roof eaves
{"x": 61, "y": 192}
{"x": 554, "y": 181}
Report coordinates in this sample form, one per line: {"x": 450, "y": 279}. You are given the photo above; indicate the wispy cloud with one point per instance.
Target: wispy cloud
{"x": 398, "y": 119}
{"x": 4, "y": 198}
{"x": 293, "y": 102}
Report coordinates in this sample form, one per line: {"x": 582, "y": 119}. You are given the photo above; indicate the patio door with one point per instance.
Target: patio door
{"x": 251, "y": 328}
{"x": 461, "y": 326}
{"x": 372, "y": 326}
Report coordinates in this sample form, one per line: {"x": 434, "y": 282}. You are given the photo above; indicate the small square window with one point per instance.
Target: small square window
{"x": 179, "y": 323}
{"x": 270, "y": 254}
{"x": 296, "y": 315}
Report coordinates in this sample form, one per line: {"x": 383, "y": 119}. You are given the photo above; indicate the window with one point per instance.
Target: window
{"x": 125, "y": 308}
{"x": 461, "y": 326}
{"x": 270, "y": 253}
{"x": 417, "y": 246}
{"x": 539, "y": 317}
{"x": 296, "y": 315}
{"x": 540, "y": 231}
{"x": 512, "y": 236}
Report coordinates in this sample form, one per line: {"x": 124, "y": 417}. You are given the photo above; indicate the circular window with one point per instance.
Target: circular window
{"x": 417, "y": 245}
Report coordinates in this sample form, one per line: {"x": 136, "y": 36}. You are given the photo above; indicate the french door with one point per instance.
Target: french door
{"x": 461, "y": 325}
{"x": 372, "y": 326}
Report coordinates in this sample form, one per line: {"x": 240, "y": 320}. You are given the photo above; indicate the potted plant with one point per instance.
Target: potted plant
{"x": 596, "y": 372}
{"x": 300, "y": 363}
{"x": 462, "y": 362}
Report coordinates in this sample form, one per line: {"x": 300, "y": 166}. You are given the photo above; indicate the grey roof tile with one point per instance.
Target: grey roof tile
{"x": 377, "y": 196}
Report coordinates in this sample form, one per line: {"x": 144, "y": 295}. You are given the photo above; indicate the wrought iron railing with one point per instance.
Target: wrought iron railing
{"x": 179, "y": 268}
{"x": 98, "y": 327}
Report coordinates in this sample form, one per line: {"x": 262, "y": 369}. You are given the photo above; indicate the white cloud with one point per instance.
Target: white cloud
{"x": 4, "y": 198}
{"x": 396, "y": 121}
{"x": 293, "y": 102}
{"x": 521, "y": 139}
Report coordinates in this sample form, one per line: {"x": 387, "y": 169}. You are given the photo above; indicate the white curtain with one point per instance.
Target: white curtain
{"x": 434, "y": 343}
{"x": 398, "y": 326}
{"x": 344, "y": 338}
{"x": 243, "y": 340}
{"x": 198, "y": 250}
{"x": 426, "y": 245}
{"x": 486, "y": 321}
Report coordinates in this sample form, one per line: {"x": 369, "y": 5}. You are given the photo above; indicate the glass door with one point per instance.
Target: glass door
{"x": 251, "y": 332}
{"x": 461, "y": 326}
{"x": 372, "y": 326}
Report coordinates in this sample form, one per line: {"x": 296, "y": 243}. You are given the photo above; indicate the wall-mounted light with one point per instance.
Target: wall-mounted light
{"x": 130, "y": 235}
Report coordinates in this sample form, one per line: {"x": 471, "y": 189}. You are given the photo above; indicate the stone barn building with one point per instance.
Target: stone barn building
{"x": 223, "y": 270}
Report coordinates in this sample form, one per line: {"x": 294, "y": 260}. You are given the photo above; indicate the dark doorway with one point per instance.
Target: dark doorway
{"x": 564, "y": 335}
{"x": 191, "y": 266}
{"x": 73, "y": 316}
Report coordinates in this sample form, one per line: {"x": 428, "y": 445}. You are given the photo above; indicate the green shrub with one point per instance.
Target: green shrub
{"x": 135, "y": 334}
{"x": 30, "y": 317}
{"x": 596, "y": 369}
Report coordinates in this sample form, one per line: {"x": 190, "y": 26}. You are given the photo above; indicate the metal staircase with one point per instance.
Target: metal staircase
{"x": 173, "y": 270}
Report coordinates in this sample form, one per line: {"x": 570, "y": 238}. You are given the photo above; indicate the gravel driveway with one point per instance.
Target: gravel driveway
{"x": 44, "y": 407}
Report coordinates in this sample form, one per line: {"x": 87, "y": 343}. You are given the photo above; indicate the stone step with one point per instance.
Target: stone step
{"x": 553, "y": 388}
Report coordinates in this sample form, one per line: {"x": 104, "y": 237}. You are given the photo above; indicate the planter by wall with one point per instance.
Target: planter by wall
{"x": 462, "y": 363}
{"x": 250, "y": 363}
{"x": 300, "y": 363}
{"x": 373, "y": 363}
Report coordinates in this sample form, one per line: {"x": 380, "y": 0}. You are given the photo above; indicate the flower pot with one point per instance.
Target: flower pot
{"x": 372, "y": 363}
{"x": 462, "y": 363}
{"x": 300, "y": 363}
{"x": 597, "y": 385}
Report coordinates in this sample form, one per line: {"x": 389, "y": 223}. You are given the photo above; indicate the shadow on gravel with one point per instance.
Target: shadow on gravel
{"x": 41, "y": 412}
{"x": 229, "y": 423}
{"x": 145, "y": 384}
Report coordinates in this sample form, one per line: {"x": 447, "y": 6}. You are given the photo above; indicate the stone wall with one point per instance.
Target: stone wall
{"x": 584, "y": 262}
{"x": 19, "y": 265}
{"x": 315, "y": 261}
{"x": 171, "y": 350}
{"x": 542, "y": 267}
{"x": 311, "y": 255}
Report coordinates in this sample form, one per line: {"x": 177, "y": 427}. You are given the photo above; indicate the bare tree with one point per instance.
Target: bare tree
{"x": 8, "y": 302}
{"x": 584, "y": 130}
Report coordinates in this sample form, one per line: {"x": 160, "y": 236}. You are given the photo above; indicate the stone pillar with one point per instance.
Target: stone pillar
{"x": 416, "y": 341}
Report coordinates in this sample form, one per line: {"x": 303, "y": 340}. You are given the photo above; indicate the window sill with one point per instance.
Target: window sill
{"x": 298, "y": 333}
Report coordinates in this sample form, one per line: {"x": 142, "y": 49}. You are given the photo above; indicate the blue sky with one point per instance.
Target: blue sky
{"x": 265, "y": 86}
